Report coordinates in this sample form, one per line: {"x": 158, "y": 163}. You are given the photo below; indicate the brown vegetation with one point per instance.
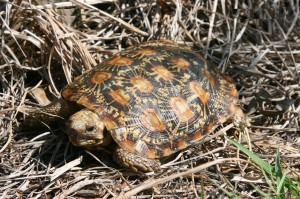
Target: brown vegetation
{"x": 256, "y": 42}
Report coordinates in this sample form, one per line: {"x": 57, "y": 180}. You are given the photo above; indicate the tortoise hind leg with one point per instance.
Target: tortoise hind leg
{"x": 55, "y": 112}
{"x": 134, "y": 161}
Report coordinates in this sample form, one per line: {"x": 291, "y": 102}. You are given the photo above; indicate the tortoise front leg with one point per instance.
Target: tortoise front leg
{"x": 134, "y": 161}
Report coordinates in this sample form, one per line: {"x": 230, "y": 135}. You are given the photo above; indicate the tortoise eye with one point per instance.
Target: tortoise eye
{"x": 90, "y": 129}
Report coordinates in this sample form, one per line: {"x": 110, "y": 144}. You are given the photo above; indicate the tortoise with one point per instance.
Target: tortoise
{"x": 151, "y": 100}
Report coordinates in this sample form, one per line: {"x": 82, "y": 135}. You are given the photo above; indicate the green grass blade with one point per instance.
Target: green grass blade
{"x": 269, "y": 169}
{"x": 279, "y": 175}
{"x": 257, "y": 160}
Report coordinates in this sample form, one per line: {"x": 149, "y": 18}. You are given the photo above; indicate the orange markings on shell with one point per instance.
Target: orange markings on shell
{"x": 197, "y": 135}
{"x": 142, "y": 84}
{"x": 181, "y": 63}
{"x": 109, "y": 123}
{"x": 228, "y": 79}
{"x": 203, "y": 96}
{"x": 209, "y": 127}
{"x": 182, "y": 144}
{"x": 210, "y": 76}
{"x": 162, "y": 72}
{"x": 129, "y": 145}
{"x": 67, "y": 93}
{"x": 78, "y": 78}
{"x": 120, "y": 97}
{"x": 167, "y": 151}
{"x": 100, "y": 77}
{"x": 212, "y": 79}
{"x": 87, "y": 101}
{"x": 151, "y": 120}
{"x": 181, "y": 109}
{"x": 234, "y": 92}
{"x": 150, "y": 154}
{"x": 147, "y": 51}
{"x": 120, "y": 61}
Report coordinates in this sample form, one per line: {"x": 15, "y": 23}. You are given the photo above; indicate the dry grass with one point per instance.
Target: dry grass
{"x": 256, "y": 42}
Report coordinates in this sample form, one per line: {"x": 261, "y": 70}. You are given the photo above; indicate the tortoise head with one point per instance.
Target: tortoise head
{"x": 86, "y": 129}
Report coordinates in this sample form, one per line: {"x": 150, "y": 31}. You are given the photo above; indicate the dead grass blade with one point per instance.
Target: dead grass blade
{"x": 46, "y": 45}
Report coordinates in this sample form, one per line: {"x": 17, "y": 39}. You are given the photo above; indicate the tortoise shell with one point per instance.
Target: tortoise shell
{"x": 156, "y": 98}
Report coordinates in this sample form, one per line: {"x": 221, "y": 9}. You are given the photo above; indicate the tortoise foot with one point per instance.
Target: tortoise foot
{"x": 135, "y": 162}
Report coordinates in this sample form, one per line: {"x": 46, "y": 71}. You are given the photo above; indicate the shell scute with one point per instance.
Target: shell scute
{"x": 100, "y": 77}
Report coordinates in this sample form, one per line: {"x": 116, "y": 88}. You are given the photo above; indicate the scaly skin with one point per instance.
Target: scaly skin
{"x": 134, "y": 161}
{"x": 58, "y": 111}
